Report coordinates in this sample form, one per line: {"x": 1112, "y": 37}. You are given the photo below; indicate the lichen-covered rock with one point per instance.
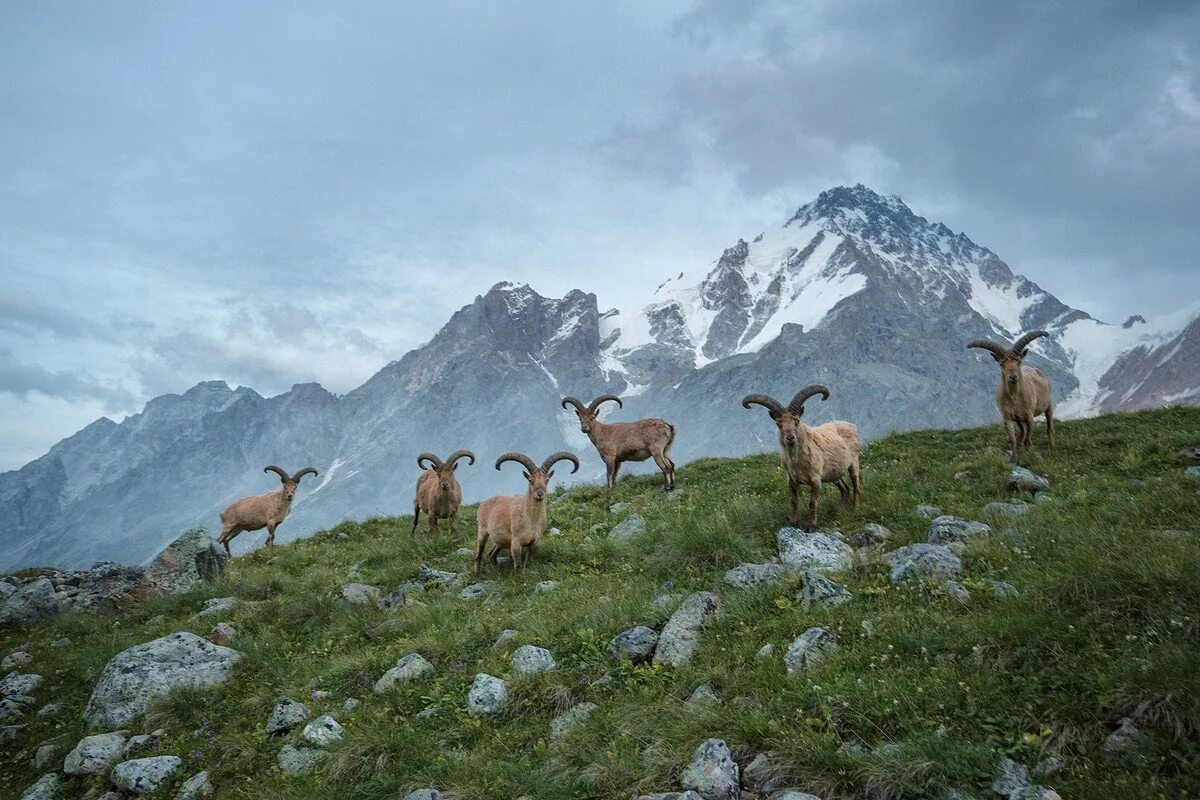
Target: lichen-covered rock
{"x": 529, "y": 659}
{"x": 216, "y": 605}
{"x": 677, "y": 642}
{"x": 1022, "y": 480}
{"x": 763, "y": 775}
{"x": 475, "y": 590}
{"x": 1125, "y": 739}
{"x": 545, "y": 586}
{"x": 360, "y": 594}
{"x": 46, "y": 755}
{"x": 809, "y": 648}
{"x": 133, "y": 679}
{"x": 817, "y": 590}
{"x": 142, "y": 742}
{"x": 1004, "y": 589}
{"x": 185, "y": 563}
{"x": 929, "y": 512}
{"x": 702, "y": 695}
{"x": 633, "y": 525}
{"x": 322, "y": 731}
{"x": 713, "y": 774}
{"x": 428, "y": 793}
{"x": 1014, "y": 509}
{"x": 947, "y": 529}
{"x": 17, "y": 684}
{"x": 922, "y": 561}
{"x": 95, "y": 754}
{"x": 45, "y": 788}
{"x": 872, "y": 534}
{"x": 561, "y": 726}
{"x": 298, "y": 760}
{"x": 765, "y": 652}
{"x": 410, "y": 667}
{"x": 195, "y": 787}
{"x": 957, "y": 591}
{"x": 29, "y": 605}
{"x": 427, "y": 574}
{"x": 746, "y": 575}
{"x": 222, "y": 634}
{"x": 10, "y": 709}
{"x": 635, "y": 644}
{"x": 286, "y": 715}
{"x": 503, "y": 640}
{"x": 488, "y": 695}
{"x": 144, "y": 775}
{"x": 818, "y": 551}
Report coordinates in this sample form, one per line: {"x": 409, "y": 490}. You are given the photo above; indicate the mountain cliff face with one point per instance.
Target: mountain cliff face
{"x": 853, "y": 290}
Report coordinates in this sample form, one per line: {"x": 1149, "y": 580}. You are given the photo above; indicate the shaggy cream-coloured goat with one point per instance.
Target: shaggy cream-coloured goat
{"x": 1023, "y": 393}
{"x": 262, "y": 510}
{"x": 439, "y": 494}
{"x": 618, "y": 442}
{"x": 517, "y": 522}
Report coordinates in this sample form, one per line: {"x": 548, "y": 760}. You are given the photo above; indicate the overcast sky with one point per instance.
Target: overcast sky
{"x": 271, "y": 193}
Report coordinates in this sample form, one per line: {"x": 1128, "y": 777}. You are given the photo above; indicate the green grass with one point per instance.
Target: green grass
{"x": 1105, "y": 626}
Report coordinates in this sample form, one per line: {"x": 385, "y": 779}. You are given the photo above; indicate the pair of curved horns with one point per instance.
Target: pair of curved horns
{"x": 285, "y": 478}
{"x": 999, "y": 351}
{"x": 796, "y": 406}
{"x": 527, "y": 462}
{"x": 592, "y": 406}
{"x": 435, "y": 462}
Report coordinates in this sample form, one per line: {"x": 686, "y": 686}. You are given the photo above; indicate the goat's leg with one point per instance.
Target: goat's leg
{"x": 1010, "y": 429}
{"x": 814, "y": 497}
{"x": 271, "y": 535}
{"x": 664, "y": 466}
{"x": 480, "y": 541}
{"x": 416, "y": 515}
{"x": 794, "y": 492}
{"x": 433, "y": 520}
{"x": 1050, "y": 427}
{"x": 1027, "y": 432}
{"x": 227, "y": 534}
{"x": 856, "y": 480}
{"x": 844, "y": 491}
{"x": 517, "y": 555}
{"x": 494, "y": 556}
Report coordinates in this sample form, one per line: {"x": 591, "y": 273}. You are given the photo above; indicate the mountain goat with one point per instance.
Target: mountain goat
{"x": 518, "y": 522}
{"x": 439, "y": 494}
{"x": 1023, "y": 393}
{"x": 618, "y": 442}
{"x": 262, "y": 510}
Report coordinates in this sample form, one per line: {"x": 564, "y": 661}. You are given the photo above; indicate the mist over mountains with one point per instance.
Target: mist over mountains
{"x": 853, "y": 290}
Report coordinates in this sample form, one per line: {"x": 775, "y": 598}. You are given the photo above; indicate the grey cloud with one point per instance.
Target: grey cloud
{"x": 20, "y": 380}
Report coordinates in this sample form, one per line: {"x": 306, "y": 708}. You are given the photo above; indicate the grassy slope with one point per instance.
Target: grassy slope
{"x": 1105, "y": 626}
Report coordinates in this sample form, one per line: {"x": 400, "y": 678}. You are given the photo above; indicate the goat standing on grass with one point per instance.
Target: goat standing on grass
{"x": 262, "y": 510}
{"x": 1023, "y": 393}
{"x": 812, "y": 456}
{"x": 518, "y": 522}
{"x": 439, "y": 494}
{"x": 618, "y": 442}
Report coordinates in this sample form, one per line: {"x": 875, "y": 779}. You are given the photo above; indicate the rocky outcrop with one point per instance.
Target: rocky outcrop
{"x": 185, "y": 563}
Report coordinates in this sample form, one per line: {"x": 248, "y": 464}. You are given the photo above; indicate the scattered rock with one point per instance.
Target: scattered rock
{"x": 322, "y": 731}
{"x": 360, "y": 594}
{"x": 185, "y": 563}
{"x": 503, "y": 640}
{"x": 763, "y": 775}
{"x": 808, "y": 649}
{"x": 45, "y": 788}
{"x": 1013, "y": 509}
{"x": 871, "y": 534}
{"x": 216, "y": 605}
{"x": 10, "y": 710}
{"x": 1012, "y": 780}
{"x": 713, "y": 773}
{"x": 1022, "y": 480}
{"x": 488, "y": 695}
{"x": 633, "y": 525}
{"x": 428, "y": 793}
{"x": 702, "y": 695}
{"x": 318, "y": 695}
{"x": 427, "y": 574}
{"x": 1004, "y": 589}
{"x": 1125, "y": 739}
{"x": 10, "y": 732}
{"x": 222, "y": 634}
{"x": 410, "y": 667}
{"x": 350, "y": 704}
{"x": 561, "y": 726}
{"x": 16, "y": 684}
{"x": 29, "y": 605}
{"x": 46, "y": 754}
{"x": 1041, "y": 497}
{"x": 957, "y": 591}
{"x": 817, "y": 590}
{"x": 393, "y": 599}
{"x": 962, "y": 475}
{"x": 14, "y": 659}
{"x": 617, "y": 508}
{"x": 60, "y": 642}
{"x": 922, "y": 561}
{"x": 554, "y": 532}
{"x": 531, "y": 660}
{"x": 929, "y": 512}
{"x": 144, "y": 775}
{"x": 677, "y": 642}
{"x": 946, "y": 529}
{"x": 819, "y": 551}
{"x": 133, "y": 679}
{"x": 545, "y": 586}
{"x": 195, "y": 787}
{"x": 635, "y": 644}
{"x": 298, "y": 760}
{"x": 142, "y": 743}
{"x": 765, "y": 652}
{"x": 95, "y": 754}
{"x": 747, "y": 575}
{"x": 286, "y": 715}
{"x": 475, "y": 590}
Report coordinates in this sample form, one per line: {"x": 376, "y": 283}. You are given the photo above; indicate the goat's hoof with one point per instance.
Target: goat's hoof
{"x": 810, "y": 528}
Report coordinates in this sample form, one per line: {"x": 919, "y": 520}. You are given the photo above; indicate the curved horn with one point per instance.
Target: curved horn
{"x": 997, "y": 350}
{"x": 457, "y": 454}
{"x": 574, "y": 401}
{"x": 434, "y": 461}
{"x": 306, "y": 471}
{"x": 604, "y": 398}
{"x": 765, "y": 400}
{"x": 1022, "y": 344}
{"x": 522, "y": 459}
{"x": 561, "y": 455}
{"x": 797, "y": 404}
{"x": 283, "y": 476}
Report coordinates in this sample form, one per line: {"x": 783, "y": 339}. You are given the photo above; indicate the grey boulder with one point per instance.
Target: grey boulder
{"x": 808, "y": 650}
{"x": 819, "y": 551}
{"x": 409, "y": 668}
{"x": 562, "y": 725}
{"x": 633, "y": 525}
{"x": 488, "y": 695}
{"x": 95, "y": 754}
{"x": 360, "y": 594}
{"x": 195, "y": 787}
{"x": 298, "y": 760}
{"x": 185, "y": 563}
{"x": 747, "y": 575}
{"x": 677, "y": 642}
{"x": 922, "y": 561}
{"x": 45, "y": 788}
{"x": 287, "y": 714}
{"x": 636, "y": 644}
{"x": 322, "y": 731}
{"x": 817, "y": 590}
{"x": 1022, "y": 480}
{"x": 144, "y": 775}
{"x": 529, "y": 659}
{"x": 29, "y": 605}
{"x": 946, "y": 529}
{"x": 713, "y": 774}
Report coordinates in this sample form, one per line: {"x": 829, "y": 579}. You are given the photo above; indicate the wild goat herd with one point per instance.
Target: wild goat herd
{"x": 811, "y": 456}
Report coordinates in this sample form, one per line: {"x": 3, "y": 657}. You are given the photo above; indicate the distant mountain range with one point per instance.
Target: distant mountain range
{"x": 853, "y": 290}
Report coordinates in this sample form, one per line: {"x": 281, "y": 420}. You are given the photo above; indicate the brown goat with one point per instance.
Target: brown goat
{"x": 262, "y": 510}
{"x": 518, "y": 522}
{"x": 618, "y": 442}
{"x": 812, "y": 456}
{"x": 1023, "y": 393}
{"x": 439, "y": 494}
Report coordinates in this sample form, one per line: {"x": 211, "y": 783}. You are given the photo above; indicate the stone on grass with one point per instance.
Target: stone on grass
{"x": 428, "y": 793}
{"x": 142, "y": 742}
{"x": 195, "y": 787}
{"x": 185, "y": 563}
{"x": 45, "y": 755}
{"x": 1022, "y": 480}
{"x": 763, "y": 775}
{"x": 808, "y": 650}
{"x": 20, "y": 683}
{"x": 1004, "y": 589}
{"x": 502, "y": 641}
{"x": 819, "y": 551}
{"x": 957, "y": 591}
{"x": 633, "y": 525}
{"x": 702, "y": 695}
{"x": 1125, "y": 739}
{"x": 677, "y": 642}
{"x": 765, "y": 652}
{"x": 545, "y": 586}
{"x": 44, "y": 788}
{"x": 1014, "y": 509}
{"x": 216, "y": 605}
{"x": 360, "y": 594}
{"x": 1192, "y": 472}
{"x": 409, "y": 668}
{"x": 222, "y": 634}
{"x": 475, "y": 590}
{"x": 562, "y": 725}
{"x": 530, "y": 659}
{"x": 635, "y": 644}
{"x": 617, "y": 508}
{"x": 427, "y": 574}
{"x": 95, "y": 754}
{"x": 713, "y": 774}
{"x": 817, "y": 590}
{"x": 286, "y": 715}
{"x": 922, "y": 561}
{"x": 746, "y": 575}
{"x": 793, "y": 794}
{"x": 9, "y": 709}
{"x": 1041, "y": 497}
{"x": 322, "y": 731}
{"x": 298, "y": 760}
{"x": 946, "y": 529}
{"x": 29, "y": 605}
{"x": 146, "y": 672}
{"x": 488, "y": 695}
{"x": 144, "y": 775}
{"x": 929, "y": 512}
{"x": 350, "y": 704}
{"x": 872, "y": 534}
